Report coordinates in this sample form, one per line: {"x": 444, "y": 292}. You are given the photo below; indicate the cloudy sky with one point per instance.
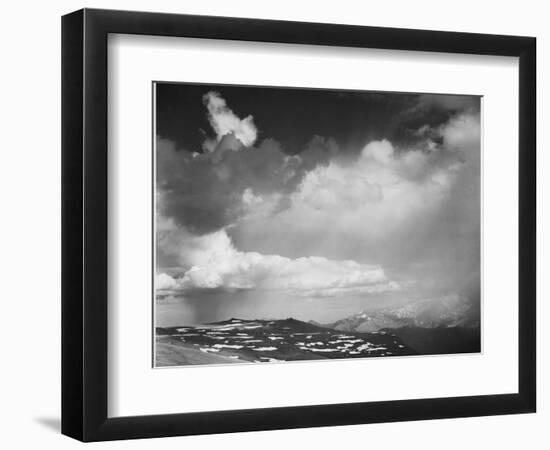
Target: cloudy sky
{"x": 315, "y": 204}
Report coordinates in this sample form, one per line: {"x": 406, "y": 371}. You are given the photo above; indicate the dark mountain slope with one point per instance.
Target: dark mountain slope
{"x": 440, "y": 340}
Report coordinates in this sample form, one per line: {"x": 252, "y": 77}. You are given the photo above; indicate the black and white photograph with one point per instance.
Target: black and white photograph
{"x": 308, "y": 224}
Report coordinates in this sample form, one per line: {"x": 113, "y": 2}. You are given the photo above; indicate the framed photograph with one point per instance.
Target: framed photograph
{"x": 273, "y": 224}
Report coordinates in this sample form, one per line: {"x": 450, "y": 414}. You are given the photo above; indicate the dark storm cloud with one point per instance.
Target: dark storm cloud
{"x": 204, "y": 191}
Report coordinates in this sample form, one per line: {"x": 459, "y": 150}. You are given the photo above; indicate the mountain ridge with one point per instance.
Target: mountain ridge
{"x": 269, "y": 341}
{"x": 450, "y": 311}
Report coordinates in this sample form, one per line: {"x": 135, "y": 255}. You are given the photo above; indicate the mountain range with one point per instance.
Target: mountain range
{"x": 449, "y": 311}
{"x": 447, "y": 325}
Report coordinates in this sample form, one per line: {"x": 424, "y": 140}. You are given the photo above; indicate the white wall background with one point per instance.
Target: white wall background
{"x": 30, "y": 225}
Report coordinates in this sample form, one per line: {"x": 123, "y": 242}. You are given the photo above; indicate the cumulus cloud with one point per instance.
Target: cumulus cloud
{"x": 165, "y": 282}
{"x": 221, "y": 266}
{"x": 379, "y": 191}
{"x": 246, "y": 215}
{"x": 204, "y": 192}
{"x": 413, "y": 210}
{"x": 224, "y": 121}
{"x": 462, "y": 133}
{"x": 178, "y": 247}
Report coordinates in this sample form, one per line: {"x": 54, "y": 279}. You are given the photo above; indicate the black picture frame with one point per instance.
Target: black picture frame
{"x": 84, "y": 224}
